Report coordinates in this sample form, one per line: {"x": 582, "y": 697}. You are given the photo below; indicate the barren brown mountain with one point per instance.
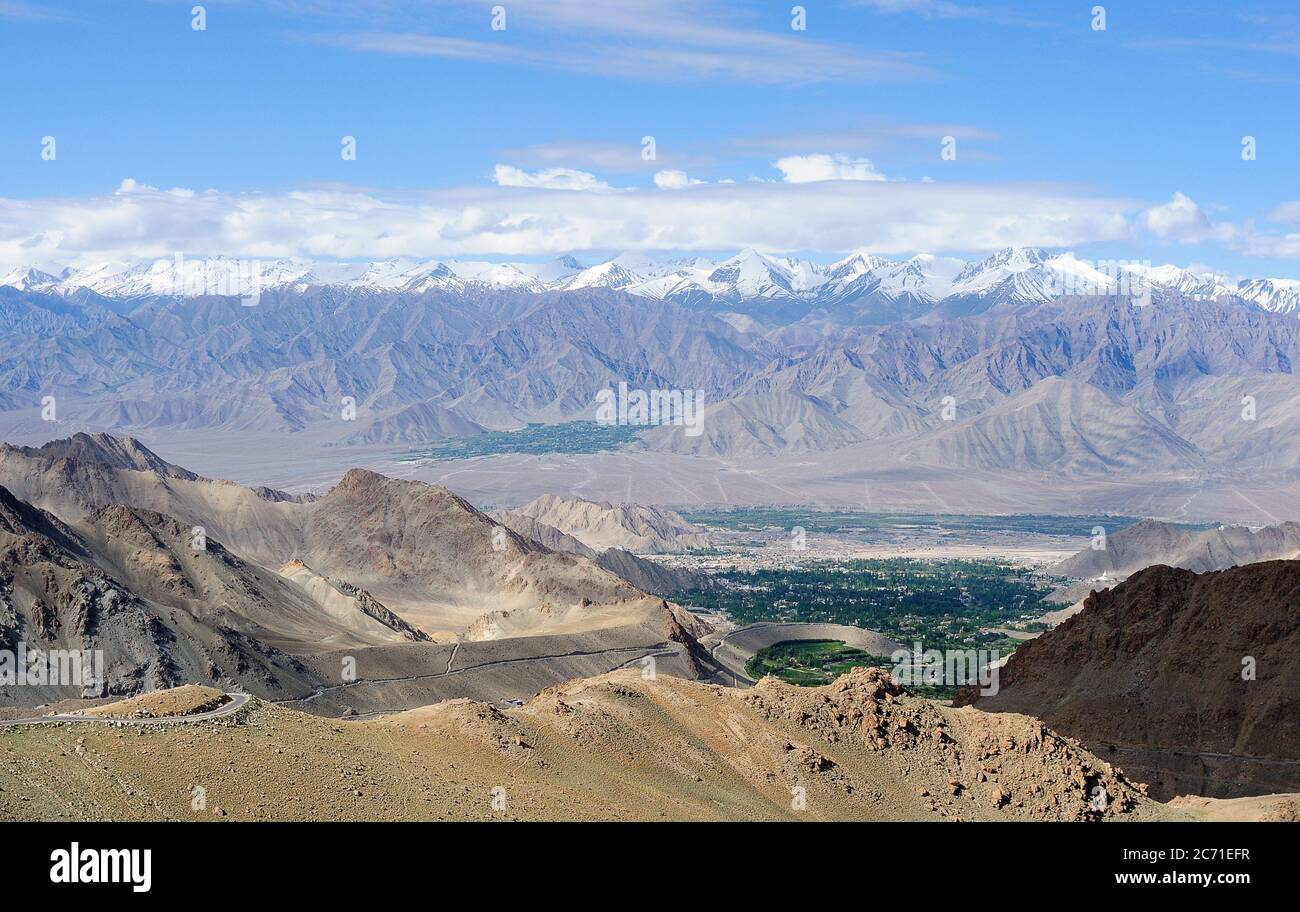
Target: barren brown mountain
{"x": 1150, "y": 542}
{"x": 641, "y": 572}
{"x": 196, "y": 621}
{"x": 316, "y": 585}
{"x": 632, "y": 527}
{"x": 1187, "y": 680}
{"x": 417, "y": 548}
{"x": 420, "y": 550}
{"x": 614, "y": 747}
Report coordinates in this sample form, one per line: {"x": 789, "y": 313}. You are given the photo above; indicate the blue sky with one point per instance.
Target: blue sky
{"x": 1122, "y": 142}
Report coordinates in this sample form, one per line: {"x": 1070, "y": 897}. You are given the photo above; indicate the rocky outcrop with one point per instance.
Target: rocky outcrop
{"x": 108, "y": 451}
{"x": 1187, "y": 679}
{"x": 955, "y": 758}
{"x": 368, "y": 605}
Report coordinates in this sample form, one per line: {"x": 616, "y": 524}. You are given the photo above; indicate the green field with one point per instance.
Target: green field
{"x": 847, "y": 521}
{"x": 810, "y": 663}
{"x": 943, "y": 604}
{"x": 535, "y": 439}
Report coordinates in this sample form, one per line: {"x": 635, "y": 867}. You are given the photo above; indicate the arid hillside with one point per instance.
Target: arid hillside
{"x": 1150, "y": 542}
{"x": 162, "y": 601}
{"x": 198, "y": 619}
{"x": 423, "y": 552}
{"x": 1187, "y": 680}
{"x": 631, "y": 527}
{"x": 614, "y": 747}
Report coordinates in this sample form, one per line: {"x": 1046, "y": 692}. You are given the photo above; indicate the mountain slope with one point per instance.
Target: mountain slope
{"x": 160, "y": 559}
{"x": 259, "y": 524}
{"x": 1059, "y": 425}
{"x": 1151, "y": 542}
{"x": 1154, "y": 668}
{"x": 421, "y": 551}
{"x": 644, "y": 574}
{"x": 632, "y": 527}
{"x": 543, "y": 534}
{"x": 436, "y": 560}
{"x": 57, "y": 591}
{"x": 651, "y": 577}
{"x": 343, "y": 601}
{"x": 591, "y": 749}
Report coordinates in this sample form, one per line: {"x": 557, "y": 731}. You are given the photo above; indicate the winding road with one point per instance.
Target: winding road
{"x": 641, "y": 651}
{"x": 225, "y": 709}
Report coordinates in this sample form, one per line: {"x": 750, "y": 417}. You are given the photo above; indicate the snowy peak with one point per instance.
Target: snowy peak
{"x": 919, "y": 276}
{"x": 749, "y": 281}
{"x": 1005, "y": 262}
{"x": 750, "y": 274}
{"x": 856, "y": 265}
{"x": 1201, "y": 286}
{"x": 1277, "y": 295}
{"x": 406, "y": 275}
{"x": 182, "y": 277}
{"x": 556, "y": 270}
{"x": 28, "y": 279}
{"x": 497, "y": 275}
{"x": 603, "y": 275}
{"x": 653, "y": 267}
{"x": 924, "y": 279}
{"x": 1028, "y": 275}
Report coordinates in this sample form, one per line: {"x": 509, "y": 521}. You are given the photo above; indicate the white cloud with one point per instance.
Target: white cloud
{"x": 924, "y": 7}
{"x": 950, "y": 9}
{"x": 1286, "y": 212}
{"x": 1178, "y": 219}
{"x": 547, "y": 178}
{"x": 1285, "y": 246}
{"x": 806, "y": 169}
{"x": 16, "y": 9}
{"x": 652, "y": 40}
{"x": 345, "y": 222}
{"x": 1182, "y": 219}
{"x": 778, "y": 61}
{"x": 610, "y": 157}
{"x": 673, "y": 180}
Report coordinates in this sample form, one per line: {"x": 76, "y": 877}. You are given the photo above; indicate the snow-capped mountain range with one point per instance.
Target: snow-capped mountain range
{"x": 856, "y": 357}
{"x": 742, "y": 282}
